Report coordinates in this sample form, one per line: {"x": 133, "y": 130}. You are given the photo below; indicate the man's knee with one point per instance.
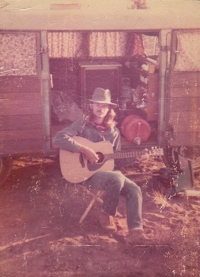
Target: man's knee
{"x": 116, "y": 179}
{"x": 134, "y": 190}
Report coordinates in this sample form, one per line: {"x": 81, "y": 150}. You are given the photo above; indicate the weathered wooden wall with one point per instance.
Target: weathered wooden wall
{"x": 184, "y": 105}
{"x": 20, "y": 115}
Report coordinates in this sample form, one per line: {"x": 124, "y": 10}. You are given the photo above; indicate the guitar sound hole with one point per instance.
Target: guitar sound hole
{"x": 101, "y": 157}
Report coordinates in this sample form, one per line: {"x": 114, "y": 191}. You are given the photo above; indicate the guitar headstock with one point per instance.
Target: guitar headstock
{"x": 156, "y": 152}
{"x": 153, "y": 152}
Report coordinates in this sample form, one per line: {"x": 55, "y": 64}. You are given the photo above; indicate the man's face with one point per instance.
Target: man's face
{"x": 99, "y": 110}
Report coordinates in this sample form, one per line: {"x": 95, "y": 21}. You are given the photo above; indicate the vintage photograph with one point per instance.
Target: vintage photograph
{"x": 99, "y": 138}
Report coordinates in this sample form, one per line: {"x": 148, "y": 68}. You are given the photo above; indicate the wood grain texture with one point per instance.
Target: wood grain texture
{"x": 23, "y": 146}
{"x": 11, "y": 84}
{"x": 20, "y": 122}
{"x": 185, "y": 104}
{"x": 21, "y": 134}
{"x": 152, "y": 97}
{"x": 190, "y": 122}
{"x": 185, "y": 79}
{"x": 186, "y": 92}
{"x": 186, "y": 139}
{"x": 20, "y": 104}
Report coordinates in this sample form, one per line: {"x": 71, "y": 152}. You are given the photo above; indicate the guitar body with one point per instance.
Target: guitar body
{"x": 74, "y": 166}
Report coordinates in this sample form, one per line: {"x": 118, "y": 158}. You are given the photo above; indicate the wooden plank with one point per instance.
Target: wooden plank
{"x": 184, "y": 92}
{"x": 28, "y": 84}
{"x": 20, "y": 122}
{"x": 153, "y": 85}
{"x": 186, "y": 139}
{"x": 18, "y": 104}
{"x": 25, "y": 96}
{"x": 189, "y": 122}
{"x": 185, "y": 104}
{"x": 152, "y": 97}
{"x": 19, "y": 135}
{"x": 185, "y": 79}
{"x": 152, "y": 109}
{"x": 62, "y": 68}
{"x": 21, "y": 147}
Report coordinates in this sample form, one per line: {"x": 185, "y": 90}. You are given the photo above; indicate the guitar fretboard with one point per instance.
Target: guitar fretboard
{"x": 122, "y": 155}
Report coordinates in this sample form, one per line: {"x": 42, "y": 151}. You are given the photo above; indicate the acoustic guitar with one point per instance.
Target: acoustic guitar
{"x": 75, "y": 168}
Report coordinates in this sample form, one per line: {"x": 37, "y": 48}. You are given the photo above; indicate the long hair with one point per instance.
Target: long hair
{"x": 109, "y": 119}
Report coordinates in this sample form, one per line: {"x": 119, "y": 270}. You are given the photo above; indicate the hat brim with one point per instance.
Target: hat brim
{"x": 102, "y": 102}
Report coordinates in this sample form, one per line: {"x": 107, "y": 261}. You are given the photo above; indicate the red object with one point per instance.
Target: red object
{"x": 133, "y": 126}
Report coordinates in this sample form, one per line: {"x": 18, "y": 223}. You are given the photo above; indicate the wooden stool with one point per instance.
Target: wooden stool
{"x": 95, "y": 197}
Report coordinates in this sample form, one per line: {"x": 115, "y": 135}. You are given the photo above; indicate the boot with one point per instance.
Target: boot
{"x": 137, "y": 236}
{"x": 107, "y": 222}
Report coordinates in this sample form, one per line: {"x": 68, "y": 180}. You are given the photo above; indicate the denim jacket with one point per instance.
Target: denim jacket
{"x": 64, "y": 138}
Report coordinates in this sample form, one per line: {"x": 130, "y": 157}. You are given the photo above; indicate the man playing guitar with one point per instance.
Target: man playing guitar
{"x": 101, "y": 126}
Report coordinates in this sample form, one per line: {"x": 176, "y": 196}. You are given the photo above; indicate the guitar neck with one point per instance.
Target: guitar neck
{"x": 122, "y": 155}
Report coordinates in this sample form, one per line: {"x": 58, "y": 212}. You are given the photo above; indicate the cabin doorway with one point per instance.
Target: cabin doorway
{"x": 126, "y": 62}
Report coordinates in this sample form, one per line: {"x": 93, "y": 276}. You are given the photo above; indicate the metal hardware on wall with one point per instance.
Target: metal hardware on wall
{"x": 165, "y": 43}
{"x": 45, "y": 79}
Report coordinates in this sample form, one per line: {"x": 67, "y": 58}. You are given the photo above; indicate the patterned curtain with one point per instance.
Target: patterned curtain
{"x": 115, "y": 44}
{"x": 100, "y": 44}
{"x": 150, "y": 44}
{"x": 188, "y": 56}
{"x": 107, "y": 44}
{"x": 136, "y": 47}
{"x": 65, "y": 44}
{"x": 18, "y": 54}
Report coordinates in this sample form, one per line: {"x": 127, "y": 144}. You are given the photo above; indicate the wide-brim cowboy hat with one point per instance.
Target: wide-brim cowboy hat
{"x": 102, "y": 96}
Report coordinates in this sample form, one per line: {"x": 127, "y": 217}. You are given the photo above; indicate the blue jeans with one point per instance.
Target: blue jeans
{"x": 114, "y": 183}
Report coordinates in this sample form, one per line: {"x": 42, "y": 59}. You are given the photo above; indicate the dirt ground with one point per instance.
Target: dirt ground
{"x": 40, "y": 234}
